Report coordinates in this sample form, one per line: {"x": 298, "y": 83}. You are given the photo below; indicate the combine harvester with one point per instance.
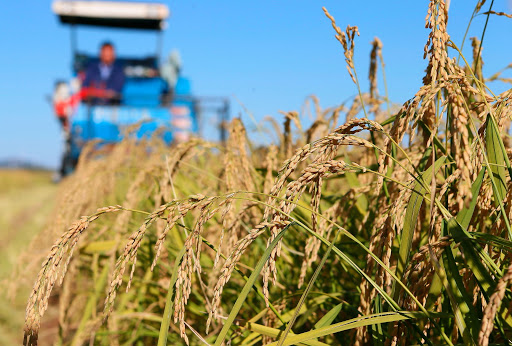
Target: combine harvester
{"x": 154, "y": 95}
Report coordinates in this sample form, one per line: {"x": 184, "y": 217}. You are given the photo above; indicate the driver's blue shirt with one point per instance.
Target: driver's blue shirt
{"x": 105, "y": 77}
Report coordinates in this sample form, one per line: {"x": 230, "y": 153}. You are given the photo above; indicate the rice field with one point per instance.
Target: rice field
{"x": 20, "y": 191}
{"x": 379, "y": 224}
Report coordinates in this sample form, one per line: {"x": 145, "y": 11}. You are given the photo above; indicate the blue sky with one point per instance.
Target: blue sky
{"x": 268, "y": 55}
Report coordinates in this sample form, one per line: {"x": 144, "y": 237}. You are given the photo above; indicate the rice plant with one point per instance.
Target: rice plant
{"x": 393, "y": 228}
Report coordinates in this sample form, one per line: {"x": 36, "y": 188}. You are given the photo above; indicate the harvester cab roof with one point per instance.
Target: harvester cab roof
{"x": 130, "y": 15}
{"x": 153, "y": 94}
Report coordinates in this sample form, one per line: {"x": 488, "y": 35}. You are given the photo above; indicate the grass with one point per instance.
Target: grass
{"x": 340, "y": 234}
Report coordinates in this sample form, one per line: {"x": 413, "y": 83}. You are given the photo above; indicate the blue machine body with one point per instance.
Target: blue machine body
{"x": 141, "y": 103}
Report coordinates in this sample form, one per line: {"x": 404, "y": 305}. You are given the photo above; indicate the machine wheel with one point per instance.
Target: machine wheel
{"x": 68, "y": 163}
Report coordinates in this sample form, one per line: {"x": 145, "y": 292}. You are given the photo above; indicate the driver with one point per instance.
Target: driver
{"x": 104, "y": 80}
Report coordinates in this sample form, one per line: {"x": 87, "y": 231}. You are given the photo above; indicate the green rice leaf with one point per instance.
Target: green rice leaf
{"x": 99, "y": 286}
{"x": 471, "y": 256}
{"x": 276, "y": 333}
{"x": 307, "y": 289}
{"x": 411, "y": 218}
{"x": 99, "y": 246}
{"x": 357, "y": 322}
{"x": 327, "y": 319}
{"x": 465, "y": 314}
{"x": 465, "y": 215}
{"x": 497, "y": 158}
{"x": 169, "y": 306}
{"x": 494, "y": 240}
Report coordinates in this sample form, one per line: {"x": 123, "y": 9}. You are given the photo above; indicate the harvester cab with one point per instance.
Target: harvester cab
{"x": 155, "y": 95}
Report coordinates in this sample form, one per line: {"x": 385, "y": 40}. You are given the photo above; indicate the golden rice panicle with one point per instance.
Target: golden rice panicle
{"x": 240, "y": 175}
{"x": 129, "y": 254}
{"x": 226, "y": 216}
{"x": 177, "y": 211}
{"x": 317, "y": 126}
{"x": 354, "y": 109}
{"x": 229, "y": 266}
{"x": 479, "y": 5}
{"x": 439, "y": 70}
{"x": 287, "y": 144}
{"x": 440, "y": 66}
{"x": 372, "y": 74}
{"x": 207, "y": 212}
{"x": 372, "y": 99}
{"x": 327, "y": 146}
{"x": 190, "y": 263}
{"x": 347, "y": 41}
{"x": 333, "y": 121}
{"x": 181, "y": 152}
{"x": 238, "y": 168}
{"x": 382, "y": 231}
{"x": 76, "y": 196}
{"x": 319, "y": 113}
{"x": 285, "y": 171}
{"x": 172, "y": 218}
{"x": 138, "y": 190}
{"x": 270, "y": 319}
{"x": 501, "y": 108}
{"x": 53, "y": 268}
{"x": 270, "y": 165}
{"x": 313, "y": 244}
{"x": 322, "y": 124}
{"x": 461, "y": 147}
{"x": 419, "y": 273}
{"x": 183, "y": 286}
{"x": 478, "y": 63}
{"x": 313, "y": 173}
{"x": 67, "y": 296}
{"x": 236, "y": 222}
{"x": 501, "y": 14}
{"x": 492, "y": 307}
{"x": 316, "y": 193}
